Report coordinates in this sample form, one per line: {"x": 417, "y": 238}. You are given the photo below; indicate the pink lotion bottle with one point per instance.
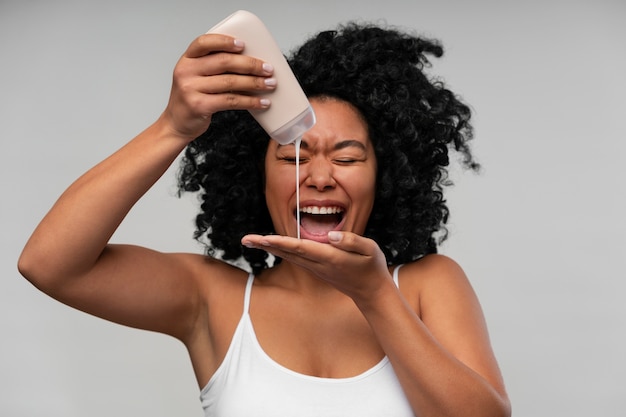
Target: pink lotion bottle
{"x": 290, "y": 114}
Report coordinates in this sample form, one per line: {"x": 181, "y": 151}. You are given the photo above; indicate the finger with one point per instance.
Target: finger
{"x": 223, "y": 62}
{"x": 208, "y": 104}
{"x": 351, "y": 242}
{"x": 288, "y": 247}
{"x": 303, "y": 259}
{"x": 228, "y": 83}
{"x": 221, "y": 53}
{"x": 211, "y": 43}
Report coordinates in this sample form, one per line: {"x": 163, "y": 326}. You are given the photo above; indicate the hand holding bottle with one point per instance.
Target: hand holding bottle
{"x": 214, "y": 75}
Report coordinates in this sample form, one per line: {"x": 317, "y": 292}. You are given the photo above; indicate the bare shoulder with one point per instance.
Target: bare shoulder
{"x": 431, "y": 268}
{"x": 434, "y": 279}
{"x": 450, "y": 309}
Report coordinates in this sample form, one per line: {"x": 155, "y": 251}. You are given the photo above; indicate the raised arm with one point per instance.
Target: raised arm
{"x": 68, "y": 255}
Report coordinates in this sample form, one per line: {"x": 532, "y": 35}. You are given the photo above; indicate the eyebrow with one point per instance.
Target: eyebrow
{"x": 339, "y": 145}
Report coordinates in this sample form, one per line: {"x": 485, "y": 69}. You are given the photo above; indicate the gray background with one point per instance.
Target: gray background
{"x": 540, "y": 232}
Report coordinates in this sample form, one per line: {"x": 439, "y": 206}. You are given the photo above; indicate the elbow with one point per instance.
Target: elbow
{"x": 507, "y": 408}
{"x": 503, "y": 406}
{"x": 27, "y": 267}
{"x": 36, "y": 269}
{"x": 496, "y": 405}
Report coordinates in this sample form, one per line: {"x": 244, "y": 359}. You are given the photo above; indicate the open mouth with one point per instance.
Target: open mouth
{"x": 318, "y": 221}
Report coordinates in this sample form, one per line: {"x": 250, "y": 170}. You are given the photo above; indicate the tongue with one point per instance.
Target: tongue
{"x": 319, "y": 224}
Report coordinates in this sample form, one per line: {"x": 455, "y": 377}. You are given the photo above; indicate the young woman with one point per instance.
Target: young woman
{"x": 359, "y": 317}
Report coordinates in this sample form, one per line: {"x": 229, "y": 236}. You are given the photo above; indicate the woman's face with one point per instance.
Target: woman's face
{"x": 337, "y": 175}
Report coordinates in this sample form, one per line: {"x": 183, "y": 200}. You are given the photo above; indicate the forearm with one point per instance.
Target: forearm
{"x": 435, "y": 382}
{"x": 73, "y": 234}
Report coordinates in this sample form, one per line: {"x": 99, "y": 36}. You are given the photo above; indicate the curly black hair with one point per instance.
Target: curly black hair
{"x": 413, "y": 120}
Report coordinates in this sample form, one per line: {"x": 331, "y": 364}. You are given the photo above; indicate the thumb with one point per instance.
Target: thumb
{"x": 349, "y": 242}
{"x": 335, "y": 236}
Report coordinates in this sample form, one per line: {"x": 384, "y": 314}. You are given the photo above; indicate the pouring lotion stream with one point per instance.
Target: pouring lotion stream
{"x": 297, "y": 145}
{"x": 290, "y": 114}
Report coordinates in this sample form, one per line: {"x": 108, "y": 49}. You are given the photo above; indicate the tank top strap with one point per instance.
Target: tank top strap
{"x": 246, "y": 297}
{"x": 395, "y": 275}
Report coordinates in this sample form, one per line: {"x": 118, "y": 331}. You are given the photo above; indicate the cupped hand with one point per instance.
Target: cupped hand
{"x": 353, "y": 264}
{"x": 214, "y": 75}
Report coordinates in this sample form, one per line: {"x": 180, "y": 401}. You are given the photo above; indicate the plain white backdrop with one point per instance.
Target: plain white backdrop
{"x": 541, "y": 232}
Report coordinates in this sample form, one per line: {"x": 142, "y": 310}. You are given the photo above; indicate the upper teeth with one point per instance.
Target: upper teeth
{"x": 321, "y": 210}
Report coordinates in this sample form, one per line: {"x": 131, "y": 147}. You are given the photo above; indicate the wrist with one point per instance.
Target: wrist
{"x": 167, "y": 128}
{"x": 375, "y": 299}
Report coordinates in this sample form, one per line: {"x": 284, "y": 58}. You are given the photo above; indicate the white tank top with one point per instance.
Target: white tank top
{"x": 250, "y": 383}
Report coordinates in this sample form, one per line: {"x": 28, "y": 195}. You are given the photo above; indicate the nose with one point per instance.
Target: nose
{"x": 319, "y": 174}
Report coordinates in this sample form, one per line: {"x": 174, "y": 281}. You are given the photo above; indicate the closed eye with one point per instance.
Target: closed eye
{"x": 346, "y": 161}
{"x": 292, "y": 160}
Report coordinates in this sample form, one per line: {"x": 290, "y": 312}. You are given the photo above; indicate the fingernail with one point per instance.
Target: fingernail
{"x": 268, "y": 68}
{"x": 265, "y": 102}
{"x": 270, "y": 82}
{"x": 334, "y": 236}
{"x": 239, "y": 43}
